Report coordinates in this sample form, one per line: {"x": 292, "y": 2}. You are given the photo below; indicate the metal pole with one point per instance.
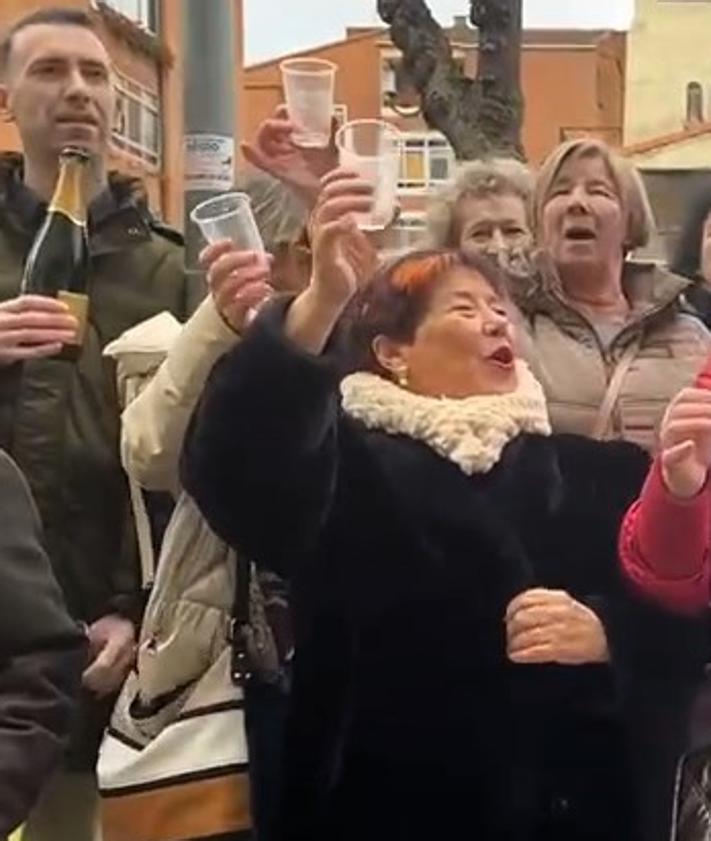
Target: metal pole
{"x": 209, "y": 108}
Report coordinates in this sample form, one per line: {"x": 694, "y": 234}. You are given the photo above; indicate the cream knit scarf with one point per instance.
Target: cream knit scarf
{"x": 472, "y": 432}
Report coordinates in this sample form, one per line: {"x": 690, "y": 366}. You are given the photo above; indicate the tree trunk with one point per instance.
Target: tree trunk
{"x": 479, "y": 117}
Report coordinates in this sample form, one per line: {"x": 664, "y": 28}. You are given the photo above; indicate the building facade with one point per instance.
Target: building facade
{"x": 144, "y": 39}
{"x": 668, "y": 77}
{"x": 667, "y": 125}
{"x": 573, "y": 83}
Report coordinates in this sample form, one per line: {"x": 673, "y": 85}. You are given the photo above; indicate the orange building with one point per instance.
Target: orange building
{"x": 573, "y": 83}
{"x": 144, "y": 38}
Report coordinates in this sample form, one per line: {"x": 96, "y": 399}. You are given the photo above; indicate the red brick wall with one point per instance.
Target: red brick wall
{"x": 564, "y": 87}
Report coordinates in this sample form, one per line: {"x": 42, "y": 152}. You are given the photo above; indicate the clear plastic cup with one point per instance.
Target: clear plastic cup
{"x": 372, "y": 149}
{"x": 229, "y": 216}
{"x": 308, "y": 89}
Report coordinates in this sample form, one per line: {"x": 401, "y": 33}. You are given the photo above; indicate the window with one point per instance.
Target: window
{"x": 137, "y": 128}
{"x": 694, "y": 103}
{"x": 144, "y": 13}
{"x": 407, "y": 233}
{"x": 340, "y": 112}
{"x": 388, "y": 83}
{"x": 398, "y": 91}
{"x": 410, "y": 228}
{"x": 426, "y": 161}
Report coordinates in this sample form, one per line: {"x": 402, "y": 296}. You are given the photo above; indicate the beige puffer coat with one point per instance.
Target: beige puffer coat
{"x": 575, "y": 368}
{"x": 154, "y": 424}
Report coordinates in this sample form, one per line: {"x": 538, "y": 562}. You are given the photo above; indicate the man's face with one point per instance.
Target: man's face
{"x": 58, "y": 90}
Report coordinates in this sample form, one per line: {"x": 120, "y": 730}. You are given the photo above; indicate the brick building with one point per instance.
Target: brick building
{"x": 573, "y": 83}
{"x": 144, "y": 38}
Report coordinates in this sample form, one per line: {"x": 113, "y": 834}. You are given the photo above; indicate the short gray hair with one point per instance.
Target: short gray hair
{"x": 280, "y": 216}
{"x": 478, "y": 179}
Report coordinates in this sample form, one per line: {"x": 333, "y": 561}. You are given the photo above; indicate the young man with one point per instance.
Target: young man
{"x": 61, "y": 421}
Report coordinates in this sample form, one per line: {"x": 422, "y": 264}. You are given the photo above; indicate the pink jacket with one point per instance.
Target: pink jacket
{"x": 664, "y": 546}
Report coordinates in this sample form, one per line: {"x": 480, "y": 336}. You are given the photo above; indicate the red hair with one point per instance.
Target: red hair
{"x": 396, "y": 301}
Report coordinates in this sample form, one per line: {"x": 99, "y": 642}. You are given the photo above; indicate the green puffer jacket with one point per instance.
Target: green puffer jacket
{"x": 60, "y": 421}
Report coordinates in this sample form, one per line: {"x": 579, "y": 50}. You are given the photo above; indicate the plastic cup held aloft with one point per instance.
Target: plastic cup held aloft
{"x": 308, "y": 89}
{"x": 229, "y": 216}
{"x": 372, "y": 149}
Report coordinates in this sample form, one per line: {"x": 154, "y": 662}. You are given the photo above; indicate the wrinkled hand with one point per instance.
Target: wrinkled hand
{"x": 275, "y": 153}
{"x": 343, "y": 257}
{"x": 685, "y": 439}
{"x": 112, "y": 647}
{"x": 239, "y": 281}
{"x": 33, "y": 327}
{"x": 550, "y": 626}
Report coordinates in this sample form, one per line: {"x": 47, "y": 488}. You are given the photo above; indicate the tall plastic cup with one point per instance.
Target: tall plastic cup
{"x": 308, "y": 89}
{"x": 229, "y": 216}
{"x": 372, "y": 149}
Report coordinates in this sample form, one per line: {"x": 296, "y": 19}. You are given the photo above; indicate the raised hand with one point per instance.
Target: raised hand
{"x": 685, "y": 440}
{"x": 239, "y": 281}
{"x": 32, "y": 327}
{"x": 274, "y": 152}
{"x": 343, "y": 260}
{"x": 550, "y": 626}
{"x": 343, "y": 257}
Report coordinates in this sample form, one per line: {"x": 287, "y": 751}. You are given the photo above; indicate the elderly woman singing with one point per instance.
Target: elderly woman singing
{"x": 470, "y": 661}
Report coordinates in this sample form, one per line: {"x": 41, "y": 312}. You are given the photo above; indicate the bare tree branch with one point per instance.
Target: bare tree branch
{"x": 478, "y": 117}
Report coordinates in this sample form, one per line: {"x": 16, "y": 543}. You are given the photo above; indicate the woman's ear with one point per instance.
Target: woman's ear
{"x": 393, "y": 357}
{"x": 5, "y": 109}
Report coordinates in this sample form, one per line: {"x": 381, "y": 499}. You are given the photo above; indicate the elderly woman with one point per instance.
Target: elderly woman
{"x": 485, "y": 211}
{"x": 608, "y": 338}
{"x": 448, "y": 557}
{"x": 282, "y": 219}
{"x": 154, "y": 425}
{"x": 692, "y": 257}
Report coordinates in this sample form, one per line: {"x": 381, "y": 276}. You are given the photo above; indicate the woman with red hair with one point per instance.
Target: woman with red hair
{"x": 470, "y": 660}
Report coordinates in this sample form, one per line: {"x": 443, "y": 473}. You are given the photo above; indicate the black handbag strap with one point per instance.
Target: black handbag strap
{"x": 242, "y": 671}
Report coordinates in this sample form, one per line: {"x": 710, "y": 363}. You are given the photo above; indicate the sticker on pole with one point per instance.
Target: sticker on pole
{"x": 209, "y": 162}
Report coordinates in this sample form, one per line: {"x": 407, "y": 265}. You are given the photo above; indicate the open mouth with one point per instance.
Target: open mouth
{"x": 76, "y": 121}
{"x": 503, "y": 356}
{"x": 579, "y": 234}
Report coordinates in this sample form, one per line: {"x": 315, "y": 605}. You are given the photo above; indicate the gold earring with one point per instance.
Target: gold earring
{"x": 402, "y": 378}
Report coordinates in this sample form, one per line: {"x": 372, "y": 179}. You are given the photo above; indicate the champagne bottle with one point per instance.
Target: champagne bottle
{"x": 58, "y": 262}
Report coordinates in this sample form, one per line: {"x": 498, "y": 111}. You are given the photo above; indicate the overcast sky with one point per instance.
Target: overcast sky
{"x": 275, "y": 27}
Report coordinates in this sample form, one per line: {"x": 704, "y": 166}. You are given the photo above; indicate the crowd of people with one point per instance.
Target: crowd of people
{"x": 470, "y": 482}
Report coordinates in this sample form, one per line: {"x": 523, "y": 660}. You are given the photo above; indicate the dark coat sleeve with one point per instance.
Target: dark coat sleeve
{"x": 601, "y": 481}
{"x": 42, "y": 654}
{"x": 260, "y": 458}
{"x": 657, "y": 655}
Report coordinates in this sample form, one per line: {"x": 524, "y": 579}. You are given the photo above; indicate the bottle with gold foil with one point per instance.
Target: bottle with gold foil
{"x": 58, "y": 262}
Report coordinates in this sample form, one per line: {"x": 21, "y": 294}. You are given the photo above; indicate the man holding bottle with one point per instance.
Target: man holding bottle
{"x": 59, "y": 417}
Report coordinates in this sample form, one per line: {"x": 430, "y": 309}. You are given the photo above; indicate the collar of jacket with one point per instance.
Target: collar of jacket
{"x": 650, "y": 289}
{"x": 119, "y": 217}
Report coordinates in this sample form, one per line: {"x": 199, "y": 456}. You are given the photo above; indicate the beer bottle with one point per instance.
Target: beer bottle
{"x": 58, "y": 262}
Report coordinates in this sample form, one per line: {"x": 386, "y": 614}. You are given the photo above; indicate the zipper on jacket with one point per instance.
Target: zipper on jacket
{"x": 608, "y": 361}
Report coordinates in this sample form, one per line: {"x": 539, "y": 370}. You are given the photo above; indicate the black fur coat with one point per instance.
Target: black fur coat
{"x": 407, "y": 720}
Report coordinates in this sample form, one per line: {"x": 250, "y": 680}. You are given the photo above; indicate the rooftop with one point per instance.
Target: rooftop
{"x": 463, "y": 34}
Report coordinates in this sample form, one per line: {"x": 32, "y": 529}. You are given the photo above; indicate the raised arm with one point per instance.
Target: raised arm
{"x": 664, "y": 543}
{"x": 154, "y": 424}
{"x": 261, "y": 456}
